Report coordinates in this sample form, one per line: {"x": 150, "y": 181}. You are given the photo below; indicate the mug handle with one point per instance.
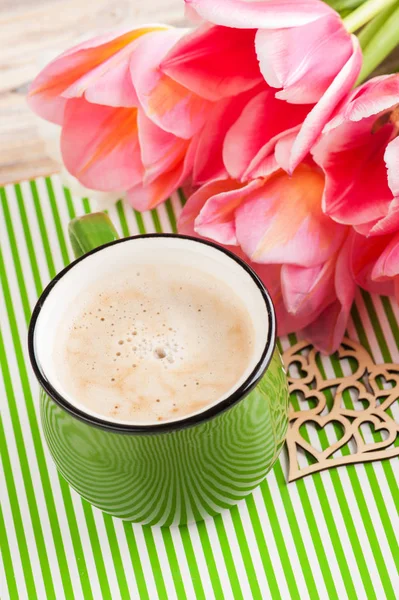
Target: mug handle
{"x": 90, "y": 231}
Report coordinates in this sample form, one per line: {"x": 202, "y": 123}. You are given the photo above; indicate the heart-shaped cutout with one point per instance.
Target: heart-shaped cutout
{"x": 352, "y": 397}
{"x": 322, "y": 436}
{"x": 365, "y": 430}
{"x": 304, "y": 399}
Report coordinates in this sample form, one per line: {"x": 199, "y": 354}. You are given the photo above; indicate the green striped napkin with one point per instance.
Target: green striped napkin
{"x": 331, "y": 535}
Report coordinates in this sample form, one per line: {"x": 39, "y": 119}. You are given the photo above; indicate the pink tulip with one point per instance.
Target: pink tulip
{"x": 125, "y": 124}
{"x": 303, "y": 51}
{"x": 300, "y": 253}
{"x": 359, "y": 154}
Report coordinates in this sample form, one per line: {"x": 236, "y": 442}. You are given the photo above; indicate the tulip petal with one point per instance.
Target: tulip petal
{"x": 171, "y": 106}
{"x": 271, "y": 277}
{"x": 327, "y": 331}
{"x": 387, "y": 264}
{"x": 321, "y": 113}
{"x": 97, "y": 68}
{"x": 208, "y": 164}
{"x": 160, "y": 151}
{"x": 148, "y": 195}
{"x": 197, "y": 201}
{"x": 308, "y": 290}
{"x": 259, "y": 125}
{"x": 294, "y": 59}
{"x": 259, "y": 14}
{"x": 371, "y": 98}
{"x": 99, "y": 145}
{"x": 216, "y": 219}
{"x": 365, "y": 253}
{"x": 282, "y": 221}
{"x": 356, "y": 191}
{"x": 214, "y": 62}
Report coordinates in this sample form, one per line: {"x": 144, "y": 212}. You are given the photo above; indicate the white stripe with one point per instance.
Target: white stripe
{"x": 131, "y": 219}
{"x": 164, "y": 219}
{"x": 148, "y": 223}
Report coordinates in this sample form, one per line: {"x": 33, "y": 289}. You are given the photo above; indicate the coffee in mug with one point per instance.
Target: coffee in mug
{"x": 153, "y": 344}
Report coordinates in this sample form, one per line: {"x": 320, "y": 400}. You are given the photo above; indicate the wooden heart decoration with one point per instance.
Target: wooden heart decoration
{"x": 359, "y": 398}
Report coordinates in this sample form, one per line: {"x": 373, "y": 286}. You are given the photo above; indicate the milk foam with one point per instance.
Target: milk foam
{"x": 155, "y": 344}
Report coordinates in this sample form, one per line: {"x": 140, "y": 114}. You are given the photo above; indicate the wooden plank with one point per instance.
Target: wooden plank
{"x": 32, "y": 33}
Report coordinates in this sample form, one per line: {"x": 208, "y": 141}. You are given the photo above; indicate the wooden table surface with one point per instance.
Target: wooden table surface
{"x": 32, "y": 33}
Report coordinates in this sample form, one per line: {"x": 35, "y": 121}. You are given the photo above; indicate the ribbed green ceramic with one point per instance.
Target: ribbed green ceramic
{"x": 167, "y": 474}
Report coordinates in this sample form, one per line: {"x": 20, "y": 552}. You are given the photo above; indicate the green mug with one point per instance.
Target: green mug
{"x": 173, "y": 472}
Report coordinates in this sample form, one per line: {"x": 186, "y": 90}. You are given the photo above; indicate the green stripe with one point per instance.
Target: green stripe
{"x": 86, "y": 205}
{"x": 28, "y": 239}
{"x": 171, "y": 215}
{"x": 43, "y": 230}
{"x": 156, "y": 221}
{"x": 140, "y": 222}
{"x": 192, "y": 563}
{"x": 391, "y": 318}
{"x": 116, "y": 556}
{"x": 245, "y": 553}
{"x": 6, "y": 556}
{"x": 69, "y": 202}
{"x": 97, "y": 553}
{"x": 122, "y": 219}
{"x": 295, "y": 532}
{"x": 182, "y": 197}
{"x": 155, "y": 565}
{"x": 173, "y": 563}
{"x": 210, "y": 561}
{"x": 11, "y": 489}
{"x": 376, "y": 326}
{"x": 263, "y": 549}
{"x": 136, "y": 562}
{"x": 57, "y": 221}
{"x": 228, "y": 557}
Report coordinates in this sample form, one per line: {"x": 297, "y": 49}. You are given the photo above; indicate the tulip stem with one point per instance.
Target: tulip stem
{"x": 372, "y": 28}
{"x": 380, "y": 45}
{"x": 364, "y": 13}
